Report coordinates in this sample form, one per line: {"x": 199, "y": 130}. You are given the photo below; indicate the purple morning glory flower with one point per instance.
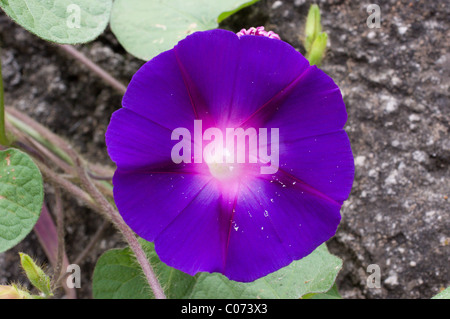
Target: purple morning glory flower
{"x": 206, "y": 205}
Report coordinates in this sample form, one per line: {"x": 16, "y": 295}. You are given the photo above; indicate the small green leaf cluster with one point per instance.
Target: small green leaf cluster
{"x": 315, "y": 40}
{"x": 38, "y": 278}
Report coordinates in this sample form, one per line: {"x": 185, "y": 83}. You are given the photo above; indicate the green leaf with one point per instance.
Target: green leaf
{"x": 61, "y": 21}
{"x": 333, "y": 293}
{"x": 21, "y": 196}
{"x": 117, "y": 275}
{"x": 445, "y": 294}
{"x": 35, "y": 274}
{"x": 315, "y": 273}
{"x": 226, "y": 14}
{"x": 146, "y": 28}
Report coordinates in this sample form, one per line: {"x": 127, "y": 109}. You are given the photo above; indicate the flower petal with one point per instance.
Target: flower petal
{"x": 195, "y": 240}
{"x": 274, "y": 225}
{"x": 310, "y": 115}
{"x": 135, "y": 142}
{"x": 312, "y": 105}
{"x": 149, "y": 202}
{"x": 231, "y": 77}
{"x": 324, "y": 162}
{"x": 266, "y": 68}
{"x": 158, "y": 92}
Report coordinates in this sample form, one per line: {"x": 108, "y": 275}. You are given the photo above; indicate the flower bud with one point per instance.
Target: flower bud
{"x": 12, "y": 292}
{"x": 318, "y": 48}
{"x": 35, "y": 274}
{"x": 313, "y": 27}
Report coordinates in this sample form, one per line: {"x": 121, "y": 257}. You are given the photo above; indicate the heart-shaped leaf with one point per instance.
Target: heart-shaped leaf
{"x": 21, "y": 197}
{"x": 61, "y": 21}
{"x": 146, "y": 28}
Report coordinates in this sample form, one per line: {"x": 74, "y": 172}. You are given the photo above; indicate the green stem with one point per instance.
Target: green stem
{"x": 3, "y": 139}
{"x": 38, "y": 137}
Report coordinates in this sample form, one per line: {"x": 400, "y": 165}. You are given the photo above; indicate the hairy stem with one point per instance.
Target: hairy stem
{"x": 47, "y": 235}
{"x": 58, "y": 210}
{"x": 47, "y": 154}
{"x": 3, "y": 139}
{"x": 98, "y": 234}
{"x": 52, "y": 142}
{"x": 72, "y": 189}
{"x": 108, "y": 78}
{"x": 37, "y": 132}
{"x": 130, "y": 237}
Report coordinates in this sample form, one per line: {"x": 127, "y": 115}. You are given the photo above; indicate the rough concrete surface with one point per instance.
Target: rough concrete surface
{"x": 395, "y": 83}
